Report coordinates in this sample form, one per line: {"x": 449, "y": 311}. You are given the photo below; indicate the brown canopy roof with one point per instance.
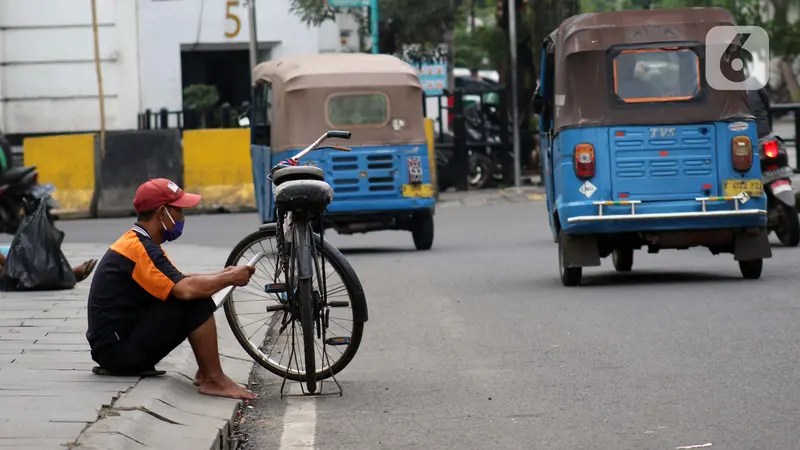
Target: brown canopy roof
{"x": 331, "y": 69}
{"x": 583, "y": 87}
{"x": 301, "y": 86}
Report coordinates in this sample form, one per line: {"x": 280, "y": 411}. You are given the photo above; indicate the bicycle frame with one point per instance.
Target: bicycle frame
{"x": 301, "y": 250}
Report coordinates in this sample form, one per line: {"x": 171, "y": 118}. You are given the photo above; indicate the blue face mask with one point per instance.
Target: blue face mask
{"x": 175, "y": 232}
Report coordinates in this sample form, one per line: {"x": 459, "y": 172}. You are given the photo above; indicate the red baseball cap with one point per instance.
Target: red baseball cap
{"x": 161, "y": 191}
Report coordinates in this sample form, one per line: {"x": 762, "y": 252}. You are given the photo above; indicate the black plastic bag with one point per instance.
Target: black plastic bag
{"x": 35, "y": 260}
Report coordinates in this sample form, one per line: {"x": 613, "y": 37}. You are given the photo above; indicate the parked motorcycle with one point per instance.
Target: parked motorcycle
{"x": 776, "y": 175}
{"x": 483, "y": 125}
{"x": 19, "y": 191}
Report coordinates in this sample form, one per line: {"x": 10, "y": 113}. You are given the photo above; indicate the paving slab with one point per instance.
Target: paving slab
{"x": 145, "y": 431}
{"x": 44, "y": 348}
{"x": 30, "y": 443}
{"x": 25, "y": 429}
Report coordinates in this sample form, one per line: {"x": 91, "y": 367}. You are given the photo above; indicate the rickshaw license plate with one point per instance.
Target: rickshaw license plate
{"x": 418, "y": 190}
{"x": 753, "y": 188}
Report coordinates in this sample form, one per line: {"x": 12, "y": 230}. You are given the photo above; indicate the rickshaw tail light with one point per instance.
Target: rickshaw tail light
{"x": 584, "y": 161}
{"x": 742, "y": 153}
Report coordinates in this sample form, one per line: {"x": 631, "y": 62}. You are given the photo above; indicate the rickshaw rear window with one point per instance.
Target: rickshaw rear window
{"x": 358, "y": 109}
{"x": 656, "y": 75}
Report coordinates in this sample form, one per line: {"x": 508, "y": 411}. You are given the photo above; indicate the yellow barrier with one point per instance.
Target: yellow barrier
{"x": 67, "y": 161}
{"x": 429, "y": 136}
{"x": 217, "y": 165}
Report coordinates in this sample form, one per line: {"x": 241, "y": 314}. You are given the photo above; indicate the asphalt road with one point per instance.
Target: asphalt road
{"x": 475, "y": 344}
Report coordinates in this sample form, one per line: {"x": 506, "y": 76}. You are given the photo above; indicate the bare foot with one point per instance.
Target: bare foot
{"x": 84, "y": 270}
{"x": 224, "y": 387}
{"x": 198, "y": 378}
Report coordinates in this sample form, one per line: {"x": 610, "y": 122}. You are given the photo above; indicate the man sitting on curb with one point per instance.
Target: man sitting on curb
{"x": 141, "y": 307}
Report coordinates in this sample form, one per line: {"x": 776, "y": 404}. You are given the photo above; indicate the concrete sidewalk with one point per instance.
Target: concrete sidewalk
{"x": 49, "y": 399}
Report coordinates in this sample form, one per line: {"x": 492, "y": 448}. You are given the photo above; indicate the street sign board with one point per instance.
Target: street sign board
{"x": 433, "y": 78}
{"x": 349, "y": 3}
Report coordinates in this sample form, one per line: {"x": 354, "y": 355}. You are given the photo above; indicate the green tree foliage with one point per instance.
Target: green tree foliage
{"x": 200, "y": 96}
{"x": 484, "y": 47}
{"x": 403, "y": 22}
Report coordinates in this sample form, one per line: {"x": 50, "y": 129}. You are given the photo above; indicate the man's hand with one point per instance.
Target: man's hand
{"x": 240, "y": 275}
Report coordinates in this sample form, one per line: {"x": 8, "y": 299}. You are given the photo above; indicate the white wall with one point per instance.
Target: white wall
{"x": 48, "y": 81}
{"x": 167, "y": 24}
{"x": 2, "y": 70}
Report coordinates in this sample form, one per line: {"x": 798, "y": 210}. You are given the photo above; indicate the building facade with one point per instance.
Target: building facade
{"x": 149, "y": 50}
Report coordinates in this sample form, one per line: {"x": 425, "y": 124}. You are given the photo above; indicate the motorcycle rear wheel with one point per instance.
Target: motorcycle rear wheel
{"x": 481, "y": 171}
{"x": 788, "y": 231}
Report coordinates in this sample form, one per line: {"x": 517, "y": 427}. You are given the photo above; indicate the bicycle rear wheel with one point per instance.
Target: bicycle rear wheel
{"x": 260, "y": 332}
{"x": 305, "y": 268}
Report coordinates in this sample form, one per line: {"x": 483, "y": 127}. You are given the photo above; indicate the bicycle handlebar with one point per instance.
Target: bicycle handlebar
{"x": 315, "y": 146}
{"x": 328, "y": 134}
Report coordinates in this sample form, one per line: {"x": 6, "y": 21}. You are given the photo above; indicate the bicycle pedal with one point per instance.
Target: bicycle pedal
{"x": 275, "y": 288}
{"x": 339, "y": 340}
{"x": 339, "y": 304}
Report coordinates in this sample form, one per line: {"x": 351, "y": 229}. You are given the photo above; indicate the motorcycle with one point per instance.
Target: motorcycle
{"x": 19, "y": 192}
{"x": 481, "y": 167}
{"x": 483, "y": 125}
{"x": 485, "y": 161}
{"x": 776, "y": 175}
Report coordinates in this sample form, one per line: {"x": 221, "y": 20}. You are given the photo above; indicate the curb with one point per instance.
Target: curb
{"x": 70, "y": 214}
{"x": 491, "y": 196}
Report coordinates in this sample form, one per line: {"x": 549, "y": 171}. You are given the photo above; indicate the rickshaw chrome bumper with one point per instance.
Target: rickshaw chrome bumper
{"x": 738, "y": 200}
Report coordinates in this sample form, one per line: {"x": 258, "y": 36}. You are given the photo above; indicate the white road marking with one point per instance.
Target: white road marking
{"x": 300, "y": 420}
{"x": 708, "y": 444}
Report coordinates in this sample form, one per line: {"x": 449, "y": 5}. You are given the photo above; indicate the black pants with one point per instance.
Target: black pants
{"x": 159, "y": 332}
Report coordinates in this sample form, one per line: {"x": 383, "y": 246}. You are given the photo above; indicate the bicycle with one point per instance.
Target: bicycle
{"x": 301, "y": 197}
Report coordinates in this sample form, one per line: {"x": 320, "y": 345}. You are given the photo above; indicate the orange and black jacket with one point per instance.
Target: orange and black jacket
{"x": 133, "y": 275}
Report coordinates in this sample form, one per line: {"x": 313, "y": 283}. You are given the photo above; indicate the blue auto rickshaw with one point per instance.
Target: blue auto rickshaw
{"x": 386, "y": 181}
{"x": 639, "y": 150}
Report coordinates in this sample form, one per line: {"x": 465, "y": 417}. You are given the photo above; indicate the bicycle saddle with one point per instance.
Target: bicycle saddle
{"x": 297, "y": 173}
{"x": 304, "y": 193}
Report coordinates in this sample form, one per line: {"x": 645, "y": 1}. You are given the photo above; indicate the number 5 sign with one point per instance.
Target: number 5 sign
{"x": 232, "y": 17}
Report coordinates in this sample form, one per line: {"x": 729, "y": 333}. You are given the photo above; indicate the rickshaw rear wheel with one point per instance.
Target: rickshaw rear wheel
{"x": 422, "y": 232}
{"x": 570, "y": 276}
{"x": 751, "y": 270}
{"x": 622, "y": 259}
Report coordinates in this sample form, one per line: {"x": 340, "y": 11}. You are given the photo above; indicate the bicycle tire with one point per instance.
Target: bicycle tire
{"x": 304, "y": 290}
{"x": 351, "y": 283}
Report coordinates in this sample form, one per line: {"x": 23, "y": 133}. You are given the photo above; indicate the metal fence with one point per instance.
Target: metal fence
{"x": 191, "y": 119}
